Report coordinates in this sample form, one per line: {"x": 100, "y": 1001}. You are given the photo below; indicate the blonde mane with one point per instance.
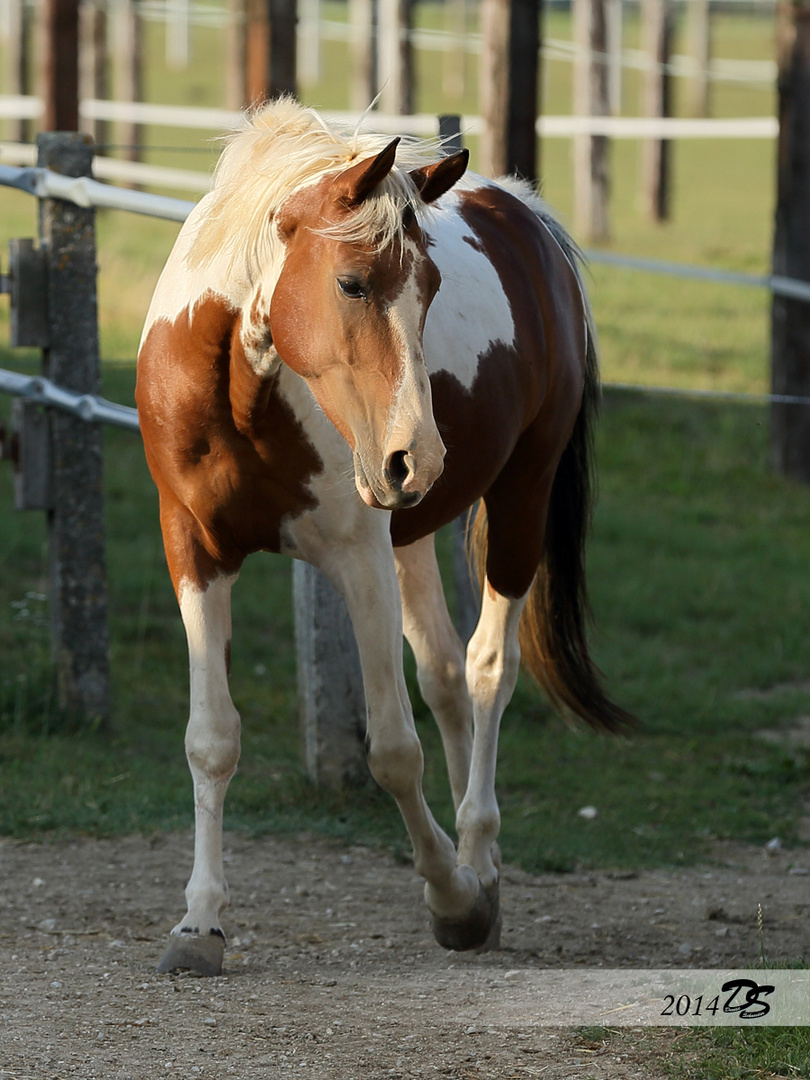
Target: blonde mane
{"x": 278, "y": 149}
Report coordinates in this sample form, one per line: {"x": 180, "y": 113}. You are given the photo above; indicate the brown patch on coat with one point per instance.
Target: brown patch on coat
{"x": 227, "y": 454}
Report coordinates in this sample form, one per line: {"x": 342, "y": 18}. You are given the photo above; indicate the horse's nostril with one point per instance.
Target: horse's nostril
{"x": 398, "y": 469}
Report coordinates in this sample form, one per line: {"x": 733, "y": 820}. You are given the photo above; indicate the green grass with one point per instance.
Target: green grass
{"x": 745, "y": 1054}
{"x": 699, "y": 566}
{"x": 698, "y": 561}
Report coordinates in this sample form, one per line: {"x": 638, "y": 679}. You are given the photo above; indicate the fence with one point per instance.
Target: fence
{"x": 54, "y": 308}
{"x": 58, "y": 463}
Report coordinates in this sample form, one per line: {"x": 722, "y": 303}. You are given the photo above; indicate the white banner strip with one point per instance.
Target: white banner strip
{"x": 595, "y": 997}
{"x": 616, "y": 127}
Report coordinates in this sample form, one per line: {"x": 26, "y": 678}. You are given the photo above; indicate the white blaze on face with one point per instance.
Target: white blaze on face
{"x": 411, "y": 426}
{"x": 471, "y": 311}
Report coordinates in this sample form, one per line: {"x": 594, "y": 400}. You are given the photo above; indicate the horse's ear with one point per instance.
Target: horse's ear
{"x": 434, "y": 180}
{"x": 356, "y": 184}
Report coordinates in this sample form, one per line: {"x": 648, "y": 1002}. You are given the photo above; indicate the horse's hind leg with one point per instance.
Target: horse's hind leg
{"x": 493, "y": 662}
{"x": 439, "y": 656}
{"x": 491, "y": 670}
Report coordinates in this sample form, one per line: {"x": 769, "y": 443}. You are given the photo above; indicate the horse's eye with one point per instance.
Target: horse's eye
{"x": 408, "y": 216}
{"x": 352, "y": 288}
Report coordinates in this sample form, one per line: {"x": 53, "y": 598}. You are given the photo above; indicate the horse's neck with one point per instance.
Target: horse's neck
{"x": 253, "y": 366}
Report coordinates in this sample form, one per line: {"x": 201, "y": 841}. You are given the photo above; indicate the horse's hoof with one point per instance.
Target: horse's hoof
{"x": 193, "y": 952}
{"x": 480, "y": 928}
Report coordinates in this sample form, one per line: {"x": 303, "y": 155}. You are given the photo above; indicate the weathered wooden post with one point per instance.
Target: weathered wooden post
{"x": 178, "y": 25}
{"x": 790, "y": 319}
{"x": 454, "y": 74}
{"x": 395, "y": 56}
{"x": 591, "y": 98}
{"x": 309, "y": 43}
{"x": 93, "y": 63}
{"x": 614, "y": 32}
{"x": 61, "y": 65}
{"x": 18, "y": 79}
{"x": 129, "y": 73}
{"x": 236, "y": 55}
{"x": 699, "y": 45}
{"x": 271, "y": 49}
{"x": 363, "y": 20}
{"x": 657, "y": 28}
{"x": 78, "y": 589}
{"x": 331, "y": 701}
{"x": 509, "y": 86}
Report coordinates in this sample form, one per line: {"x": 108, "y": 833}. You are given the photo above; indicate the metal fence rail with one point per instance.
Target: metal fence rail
{"x": 89, "y": 407}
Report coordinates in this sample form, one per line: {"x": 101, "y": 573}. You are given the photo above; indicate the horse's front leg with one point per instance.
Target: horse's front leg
{"x": 197, "y": 943}
{"x": 368, "y": 580}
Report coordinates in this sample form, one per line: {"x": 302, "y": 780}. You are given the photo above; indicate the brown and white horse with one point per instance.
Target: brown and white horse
{"x": 350, "y": 344}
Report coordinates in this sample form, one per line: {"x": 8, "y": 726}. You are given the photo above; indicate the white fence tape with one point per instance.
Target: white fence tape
{"x": 116, "y": 169}
{"x": 617, "y": 127}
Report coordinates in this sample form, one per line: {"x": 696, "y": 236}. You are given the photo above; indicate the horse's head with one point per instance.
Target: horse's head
{"x": 349, "y": 310}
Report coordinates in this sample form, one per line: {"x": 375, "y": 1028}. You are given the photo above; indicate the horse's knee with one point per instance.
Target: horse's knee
{"x": 212, "y": 748}
{"x": 396, "y": 764}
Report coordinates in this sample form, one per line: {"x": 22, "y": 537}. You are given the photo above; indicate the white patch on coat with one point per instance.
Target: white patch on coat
{"x": 471, "y": 310}
{"x": 182, "y": 285}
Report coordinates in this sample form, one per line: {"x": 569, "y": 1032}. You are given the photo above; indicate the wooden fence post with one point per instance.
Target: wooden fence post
{"x": 331, "y": 700}
{"x": 236, "y": 55}
{"x": 790, "y": 319}
{"x": 61, "y": 65}
{"x": 699, "y": 45}
{"x": 129, "y": 62}
{"x": 395, "y": 56}
{"x": 78, "y": 588}
{"x": 93, "y": 63}
{"x": 591, "y": 98}
{"x": 271, "y": 49}
{"x": 657, "y": 27}
{"x": 454, "y": 73}
{"x": 509, "y": 86}
{"x": 19, "y": 76}
{"x": 363, "y": 20}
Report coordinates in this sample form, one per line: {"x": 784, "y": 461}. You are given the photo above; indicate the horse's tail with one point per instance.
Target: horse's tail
{"x": 553, "y": 638}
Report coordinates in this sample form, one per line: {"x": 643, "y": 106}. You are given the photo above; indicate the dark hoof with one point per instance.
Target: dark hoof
{"x": 480, "y": 928}
{"x": 193, "y": 952}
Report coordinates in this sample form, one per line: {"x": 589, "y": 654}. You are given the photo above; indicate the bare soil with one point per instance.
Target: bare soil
{"x": 331, "y": 969}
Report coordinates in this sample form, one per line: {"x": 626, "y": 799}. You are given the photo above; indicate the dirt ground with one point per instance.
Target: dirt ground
{"x": 331, "y": 970}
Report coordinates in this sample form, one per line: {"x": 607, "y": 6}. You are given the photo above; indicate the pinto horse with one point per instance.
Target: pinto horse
{"x": 351, "y": 343}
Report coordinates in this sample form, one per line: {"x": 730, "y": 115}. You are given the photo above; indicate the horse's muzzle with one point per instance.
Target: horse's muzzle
{"x": 401, "y": 482}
